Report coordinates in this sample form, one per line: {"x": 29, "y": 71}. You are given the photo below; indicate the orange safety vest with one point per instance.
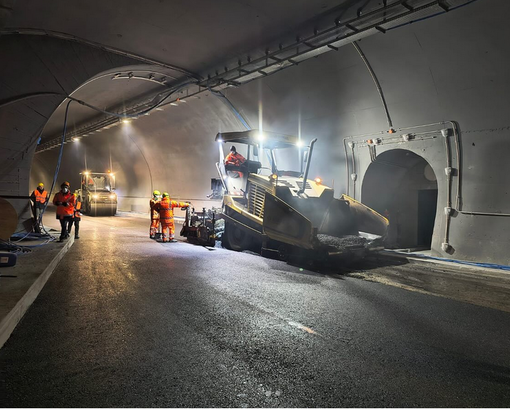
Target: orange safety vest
{"x": 77, "y": 208}
{"x": 40, "y": 197}
{"x": 63, "y": 211}
{"x": 235, "y": 159}
{"x": 165, "y": 208}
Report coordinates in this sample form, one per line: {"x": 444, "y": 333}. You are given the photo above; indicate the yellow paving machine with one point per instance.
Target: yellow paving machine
{"x": 270, "y": 205}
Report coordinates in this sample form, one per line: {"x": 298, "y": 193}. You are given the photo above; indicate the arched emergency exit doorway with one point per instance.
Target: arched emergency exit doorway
{"x": 402, "y": 186}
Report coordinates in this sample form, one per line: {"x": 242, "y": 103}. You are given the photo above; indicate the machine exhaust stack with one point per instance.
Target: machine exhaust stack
{"x": 308, "y": 161}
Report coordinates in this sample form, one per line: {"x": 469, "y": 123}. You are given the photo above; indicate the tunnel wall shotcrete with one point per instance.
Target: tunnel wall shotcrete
{"x": 450, "y": 67}
{"x": 30, "y": 65}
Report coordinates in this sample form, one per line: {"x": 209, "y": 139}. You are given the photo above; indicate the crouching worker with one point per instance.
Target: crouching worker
{"x": 76, "y": 218}
{"x": 156, "y": 197}
{"x": 64, "y": 200}
{"x": 166, "y": 214}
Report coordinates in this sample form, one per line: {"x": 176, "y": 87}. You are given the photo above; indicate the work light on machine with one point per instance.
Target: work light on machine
{"x": 318, "y": 181}
{"x": 95, "y": 197}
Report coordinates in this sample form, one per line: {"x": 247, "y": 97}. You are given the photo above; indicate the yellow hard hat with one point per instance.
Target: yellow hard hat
{"x": 166, "y": 194}
{"x": 40, "y": 185}
{"x": 156, "y": 193}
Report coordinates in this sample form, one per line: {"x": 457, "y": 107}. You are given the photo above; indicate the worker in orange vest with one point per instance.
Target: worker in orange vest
{"x": 39, "y": 197}
{"x": 64, "y": 200}
{"x": 234, "y": 159}
{"x": 76, "y": 218}
{"x": 166, "y": 213}
{"x": 156, "y": 197}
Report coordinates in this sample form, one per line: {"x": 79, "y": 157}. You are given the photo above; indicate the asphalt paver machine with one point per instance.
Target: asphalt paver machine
{"x": 270, "y": 204}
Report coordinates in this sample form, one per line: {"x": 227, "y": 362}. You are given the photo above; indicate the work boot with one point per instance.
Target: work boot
{"x": 173, "y": 241}
{"x": 76, "y": 237}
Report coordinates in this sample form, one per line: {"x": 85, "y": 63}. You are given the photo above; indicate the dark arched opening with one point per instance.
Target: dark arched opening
{"x": 402, "y": 186}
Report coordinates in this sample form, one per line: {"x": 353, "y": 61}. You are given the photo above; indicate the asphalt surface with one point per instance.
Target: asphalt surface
{"x": 126, "y": 321}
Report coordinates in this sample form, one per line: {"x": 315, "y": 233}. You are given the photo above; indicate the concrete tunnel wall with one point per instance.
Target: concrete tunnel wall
{"x": 37, "y": 65}
{"x": 452, "y": 66}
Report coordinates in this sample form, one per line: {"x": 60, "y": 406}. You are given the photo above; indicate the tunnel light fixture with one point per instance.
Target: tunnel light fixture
{"x": 95, "y": 196}
{"x": 261, "y": 136}
{"x": 173, "y": 104}
{"x": 300, "y": 143}
{"x": 220, "y": 140}
{"x": 126, "y": 121}
{"x": 318, "y": 181}
{"x": 75, "y": 139}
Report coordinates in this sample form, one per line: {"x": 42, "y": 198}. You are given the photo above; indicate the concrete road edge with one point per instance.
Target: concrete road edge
{"x": 12, "y": 319}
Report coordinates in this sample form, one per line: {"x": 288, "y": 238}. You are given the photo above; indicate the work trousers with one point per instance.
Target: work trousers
{"x": 166, "y": 227}
{"x": 65, "y": 224}
{"x": 154, "y": 228}
{"x": 37, "y": 214}
{"x": 76, "y": 222}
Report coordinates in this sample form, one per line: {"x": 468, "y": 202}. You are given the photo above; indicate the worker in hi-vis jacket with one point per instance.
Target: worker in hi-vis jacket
{"x": 166, "y": 213}
{"x": 64, "y": 200}
{"x": 156, "y": 197}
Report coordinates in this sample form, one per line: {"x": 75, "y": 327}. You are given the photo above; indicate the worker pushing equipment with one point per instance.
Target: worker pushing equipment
{"x": 39, "y": 197}
{"x": 165, "y": 208}
{"x": 155, "y": 221}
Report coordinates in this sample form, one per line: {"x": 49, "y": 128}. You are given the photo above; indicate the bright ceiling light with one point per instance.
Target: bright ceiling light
{"x": 300, "y": 143}
{"x": 126, "y": 121}
{"x": 261, "y": 136}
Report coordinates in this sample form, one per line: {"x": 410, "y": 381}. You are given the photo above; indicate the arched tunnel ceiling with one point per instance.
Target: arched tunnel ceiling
{"x": 190, "y": 34}
{"x": 193, "y": 36}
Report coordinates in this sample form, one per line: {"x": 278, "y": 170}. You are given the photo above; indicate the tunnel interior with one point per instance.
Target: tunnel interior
{"x": 402, "y": 186}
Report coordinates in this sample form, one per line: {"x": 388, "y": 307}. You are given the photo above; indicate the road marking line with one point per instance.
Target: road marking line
{"x": 302, "y": 327}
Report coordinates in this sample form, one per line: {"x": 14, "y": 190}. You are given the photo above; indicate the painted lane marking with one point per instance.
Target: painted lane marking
{"x": 302, "y": 327}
